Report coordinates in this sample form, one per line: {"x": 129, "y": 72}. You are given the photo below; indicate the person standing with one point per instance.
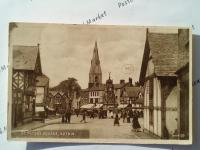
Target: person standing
{"x": 77, "y": 112}
{"x": 66, "y": 117}
{"x": 116, "y": 120}
{"x": 124, "y": 116}
{"x": 92, "y": 114}
{"x": 69, "y": 116}
{"x": 128, "y": 117}
{"x": 84, "y": 117}
{"x": 111, "y": 114}
{"x": 136, "y": 126}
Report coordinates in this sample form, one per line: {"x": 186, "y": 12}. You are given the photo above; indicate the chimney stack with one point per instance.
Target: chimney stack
{"x": 130, "y": 81}
{"x": 122, "y": 81}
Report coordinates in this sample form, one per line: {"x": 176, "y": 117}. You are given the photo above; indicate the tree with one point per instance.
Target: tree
{"x": 69, "y": 86}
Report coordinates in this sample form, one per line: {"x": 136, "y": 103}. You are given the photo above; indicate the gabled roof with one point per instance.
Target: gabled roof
{"x": 163, "y": 48}
{"x": 42, "y": 80}
{"x": 139, "y": 100}
{"x": 132, "y": 91}
{"x": 53, "y": 92}
{"x": 25, "y": 57}
{"x": 61, "y": 93}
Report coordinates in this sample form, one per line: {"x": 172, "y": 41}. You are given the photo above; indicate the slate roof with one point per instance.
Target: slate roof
{"x": 42, "y": 80}
{"x": 163, "y": 48}
{"x": 24, "y": 57}
{"x": 139, "y": 100}
{"x": 132, "y": 91}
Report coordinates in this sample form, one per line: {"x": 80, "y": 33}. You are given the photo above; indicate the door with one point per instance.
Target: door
{"x": 17, "y": 108}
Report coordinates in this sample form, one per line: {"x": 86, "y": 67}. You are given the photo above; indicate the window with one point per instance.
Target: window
{"x": 91, "y": 100}
{"x": 96, "y": 79}
{"x": 96, "y": 100}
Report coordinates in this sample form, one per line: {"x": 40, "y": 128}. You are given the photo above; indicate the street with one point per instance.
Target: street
{"x": 99, "y": 128}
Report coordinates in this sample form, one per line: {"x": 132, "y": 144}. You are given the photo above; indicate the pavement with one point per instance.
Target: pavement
{"x": 98, "y": 128}
{"x": 37, "y": 124}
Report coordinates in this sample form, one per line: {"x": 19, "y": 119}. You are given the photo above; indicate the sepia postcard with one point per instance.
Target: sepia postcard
{"x": 100, "y": 84}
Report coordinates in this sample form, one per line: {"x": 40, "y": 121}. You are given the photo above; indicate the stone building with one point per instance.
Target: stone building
{"x": 95, "y": 74}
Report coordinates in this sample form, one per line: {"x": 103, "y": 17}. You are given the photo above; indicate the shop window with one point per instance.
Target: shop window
{"x": 91, "y": 100}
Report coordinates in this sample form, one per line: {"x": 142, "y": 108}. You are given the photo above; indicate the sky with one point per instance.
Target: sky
{"x": 66, "y": 50}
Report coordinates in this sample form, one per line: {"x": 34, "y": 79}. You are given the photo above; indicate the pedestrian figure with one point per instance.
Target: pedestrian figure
{"x": 62, "y": 112}
{"x": 69, "y": 116}
{"x": 84, "y": 117}
{"x": 128, "y": 117}
{"x": 92, "y": 114}
{"x": 165, "y": 133}
{"x": 124, "y": 116}
{"x": 63, "y": 118}
{"x": 116, "y": 120}
{"x": 66, "y": 117}
{"x": 111, "y": 114}
{"x": 77, "y": 112}
{"x": 136, "y": 126}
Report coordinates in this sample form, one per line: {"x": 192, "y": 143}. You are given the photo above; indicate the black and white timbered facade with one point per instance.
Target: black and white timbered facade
{"x": 26, "y": 67}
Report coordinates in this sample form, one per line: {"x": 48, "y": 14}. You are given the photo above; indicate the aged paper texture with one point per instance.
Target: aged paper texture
{"x": 100, "y": 84}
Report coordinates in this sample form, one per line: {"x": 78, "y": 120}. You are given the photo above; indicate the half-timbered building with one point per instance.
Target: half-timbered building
{"x": 57, "y": 99}
{"x": 26, "y": 67}
{"x": 159, "y": 77}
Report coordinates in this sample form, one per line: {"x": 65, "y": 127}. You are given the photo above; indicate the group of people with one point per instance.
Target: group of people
{"x": 66, "y": 116}
{"x": 92, "y": 114}
{"x": 128, "y": 115}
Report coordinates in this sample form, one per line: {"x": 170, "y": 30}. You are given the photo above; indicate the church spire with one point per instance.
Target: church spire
{"x": 96, "y": 44}
{"x": 95, "y": 74}
{"x": 95, "y": 57}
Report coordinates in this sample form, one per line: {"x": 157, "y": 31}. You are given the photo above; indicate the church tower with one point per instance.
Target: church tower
{"x": 95, "y": 74}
